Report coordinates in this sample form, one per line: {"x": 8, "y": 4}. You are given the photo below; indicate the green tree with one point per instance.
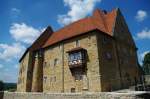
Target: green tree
{"x": 146, "y": 64}
{"x": 1, "y": 85}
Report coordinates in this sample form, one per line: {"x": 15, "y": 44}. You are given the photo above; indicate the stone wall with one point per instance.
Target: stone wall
{"x": 100, "y": 95}
{"x": 126, "y": 52}
{"x": 57, "y": 76}
{"x": 37, "y": 80}
{"x": 22, "y": 79}
{"x": 109, "y": 69}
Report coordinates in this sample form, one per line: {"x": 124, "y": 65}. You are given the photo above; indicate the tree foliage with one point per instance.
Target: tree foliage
{"x": 146, "y": 64}
{"x": 1, "y": 85}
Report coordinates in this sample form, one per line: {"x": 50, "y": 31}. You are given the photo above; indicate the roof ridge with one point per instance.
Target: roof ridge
{"x": 102, "y": 21}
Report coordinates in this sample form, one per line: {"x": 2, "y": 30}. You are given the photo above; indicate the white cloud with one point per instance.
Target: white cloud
{"x": 141, "y": 15}
{"x": 15, "y": 10}
{"x": 9, "y": 52}
{"x": 78, "y": 10}
{"x": 1, "y": 66}
{"x": 24, "y": 33}
{"x": 144, "y": 34}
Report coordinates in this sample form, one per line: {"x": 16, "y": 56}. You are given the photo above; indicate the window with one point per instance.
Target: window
{"x": 105, "y": 40}
{"x": 78, "y": 77}
{"x": 77, "y": 73}
{"x": 55, "y": 62}
{"x": 75, "y": 58}
{"x": 60, "y": 47}
{"x": 108, "y": 55}
{"x": 40, "y": 53}
{"x": 77, "y": 43}
{"x": 36, "y": 55}
{"x": 44, "y": 78}
{"x": 72, "y": 89}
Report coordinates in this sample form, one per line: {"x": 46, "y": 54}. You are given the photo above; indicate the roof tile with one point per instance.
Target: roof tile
{"x": 99, "y": 20}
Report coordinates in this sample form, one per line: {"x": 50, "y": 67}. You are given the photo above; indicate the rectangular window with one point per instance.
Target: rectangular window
{"x": 77, "y": 43}
{"x": 60, "y": 47}
{"x": 55, "y": 62}
{"x": 75, "y": 56}
{"x": 44, "y": 78}
{"x": 72, "y": 89}
{"x": 77, "y": 73}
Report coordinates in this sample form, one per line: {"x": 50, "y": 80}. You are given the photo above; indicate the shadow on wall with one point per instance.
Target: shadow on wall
{"x": 1, "y": 94}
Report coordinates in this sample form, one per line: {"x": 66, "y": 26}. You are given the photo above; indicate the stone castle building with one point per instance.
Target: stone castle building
{"x": 93, "y": 54}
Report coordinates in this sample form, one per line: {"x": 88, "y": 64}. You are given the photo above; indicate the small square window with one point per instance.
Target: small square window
{"x": 108, "y": 56}
{"x": 72, "y": 89}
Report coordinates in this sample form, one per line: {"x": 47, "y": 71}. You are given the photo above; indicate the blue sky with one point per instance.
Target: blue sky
{"x": 22, "y": 21}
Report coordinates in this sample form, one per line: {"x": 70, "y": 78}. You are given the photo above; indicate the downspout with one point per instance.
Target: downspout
{"x": 62, "y": 67}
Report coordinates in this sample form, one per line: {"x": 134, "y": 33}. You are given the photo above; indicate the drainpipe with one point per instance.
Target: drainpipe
{"x": 62, "y": 67}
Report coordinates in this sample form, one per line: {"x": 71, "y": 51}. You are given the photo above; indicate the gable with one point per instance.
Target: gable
{"x": 121, "y": 30}
{"x": 39, "y": 42}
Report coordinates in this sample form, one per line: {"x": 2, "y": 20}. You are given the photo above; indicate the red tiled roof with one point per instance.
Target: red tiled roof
{"x": 99, "y": 20}
{"x": 39, "y": 42}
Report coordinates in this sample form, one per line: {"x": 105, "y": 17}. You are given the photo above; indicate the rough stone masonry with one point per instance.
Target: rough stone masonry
{"x": 99, "y": 95}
